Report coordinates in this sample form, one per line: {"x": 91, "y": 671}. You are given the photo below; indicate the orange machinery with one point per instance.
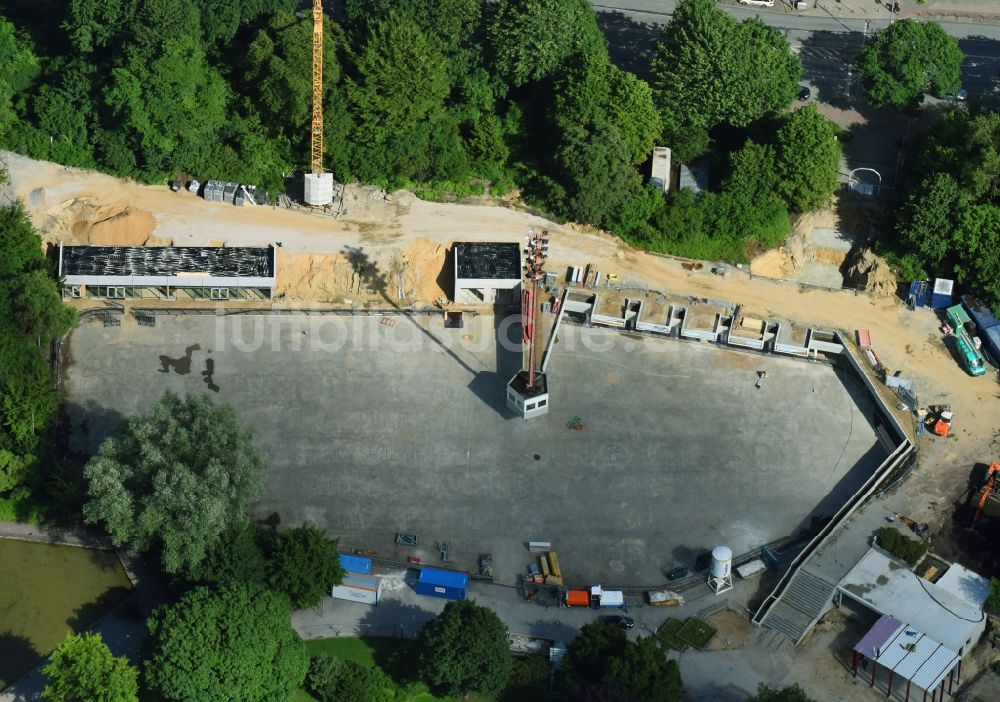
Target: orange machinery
{"x": 991, "y": 480}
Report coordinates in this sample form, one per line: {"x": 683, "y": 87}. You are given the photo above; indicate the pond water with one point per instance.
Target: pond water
{"x": 47, "y": 591}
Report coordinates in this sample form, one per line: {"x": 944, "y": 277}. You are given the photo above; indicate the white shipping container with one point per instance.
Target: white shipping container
{"x": 612, "y": 598}
{"x": 357, "y": 587}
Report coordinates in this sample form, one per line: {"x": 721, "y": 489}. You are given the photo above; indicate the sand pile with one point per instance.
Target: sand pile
{"x": 114, "y": 225}
{"x": 775, "y": 263}
{"x": 424, "y": 274}
{"x": 316, "y": 277}
{"x": 863, "y": 269}
{"x": 833, "y": 257}
{"x": 83, "y": 220}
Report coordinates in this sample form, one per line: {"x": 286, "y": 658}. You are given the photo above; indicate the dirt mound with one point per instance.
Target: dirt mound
{"x": 775, "y": 263}
{"x": 863, "y": 269}
{"x": 833, "y": 257}
{"x": 316, "y": 277}
{"x": 114, "y": 225}
{"x": 423, "y": 264}
{"x": 84, "y": 220}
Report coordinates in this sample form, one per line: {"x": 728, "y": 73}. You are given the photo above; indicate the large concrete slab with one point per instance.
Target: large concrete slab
{"x": 374, "y": 427}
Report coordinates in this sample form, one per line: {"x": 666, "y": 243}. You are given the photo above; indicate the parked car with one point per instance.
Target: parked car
{"x": 621, "y": 621}
{"x": 805, "y": 93}
{"x": 960, "y": 96}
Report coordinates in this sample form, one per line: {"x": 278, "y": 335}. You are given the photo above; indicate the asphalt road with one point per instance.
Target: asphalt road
{"x": 826, "y": 45}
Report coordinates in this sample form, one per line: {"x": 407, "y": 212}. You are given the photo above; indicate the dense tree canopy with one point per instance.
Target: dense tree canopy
{"x": 304, "y": 565}
{"x": 602, "y": 664}
{"x": 808, "y": 159}
{"x": 907, "y": 59}
{"x": 32, "y": 315}
{"x": 174, "y": 479}
{"x": 447, "y": 97}
{"x": 335, "y": 680}
{"x": 236, "y": 643}
{"x": 710, "y": 69}
{"x": 530, "y": 39}
{"x": 82, "y": 669}
{"x": 18, "y": 68}
{"x": 465, "y": 650}
{"x": 948, "y": 219}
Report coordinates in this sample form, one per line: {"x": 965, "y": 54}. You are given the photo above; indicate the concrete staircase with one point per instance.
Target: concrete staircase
{"x": 802, "y": 602}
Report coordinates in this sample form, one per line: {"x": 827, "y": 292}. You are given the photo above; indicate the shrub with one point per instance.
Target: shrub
{"x": 901, "y": 546}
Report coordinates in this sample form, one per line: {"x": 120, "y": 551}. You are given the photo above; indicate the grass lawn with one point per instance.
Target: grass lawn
{"x": 668, "y": 634}
{"x": 397, "y": 657}
{"x": 696, "y": 632}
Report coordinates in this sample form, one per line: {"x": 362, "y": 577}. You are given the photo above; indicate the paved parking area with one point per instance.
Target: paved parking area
{"x": 374, "y": 427}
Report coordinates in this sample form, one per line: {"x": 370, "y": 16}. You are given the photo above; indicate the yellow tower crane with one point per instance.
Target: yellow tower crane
{"x": 318, "y": 185}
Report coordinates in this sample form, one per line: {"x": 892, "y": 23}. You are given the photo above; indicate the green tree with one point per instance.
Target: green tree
{"x": 279, "y": 71}
{"x": 465, "y": 650}
{"x": 603, "y": 664}
{"x": 32, "y": 315}
{"x": 18, "y": 69}
{"x": 176, "y": 478}
{"x": 529, "y": 39}
{"x": 808, "y": 159}
{"x": 753, "y": 172}
{"x": 235, "y": 557}
{"x": 588, "y": 658}
{"x": 977, "y": 250}
{"x": 710, "y": 70}
{"x": 597, "y": 175}
{"x": 593, "y": 94}
{"x": 793, "y": 693}
{"x": 397, "y": 53}
{"x": 236, "y": 643}
{"x": 93, "y": 24}
{"x": 82, "y": 669}
{"x": 170, "y": 105}
{"x": 906, "y": 60}
{"x": 304, "y": 565}
{"x": 334, "y": 680}
{"x": 643, "y": 673}
{"x": 928, "y": 218}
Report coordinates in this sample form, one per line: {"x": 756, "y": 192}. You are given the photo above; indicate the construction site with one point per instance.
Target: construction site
{"x": 462, "y": 390}
{"x": 688, "y": 407}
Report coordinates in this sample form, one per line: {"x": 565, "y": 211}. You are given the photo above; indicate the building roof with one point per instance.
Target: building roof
{"x": 695, "y": 175}
{"x": 891, "y": 588}
{"x": 166, "y": 261}
{"x": 872, "y": 643}
{"x": 970, "y": 586}
{"x": 943, "y": 286}
{"x": 907, "y": 652}
{"x": 487, "y": 261}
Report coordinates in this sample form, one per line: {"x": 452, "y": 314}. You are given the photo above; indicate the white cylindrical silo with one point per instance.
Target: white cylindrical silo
{"x": 722, "y": 562}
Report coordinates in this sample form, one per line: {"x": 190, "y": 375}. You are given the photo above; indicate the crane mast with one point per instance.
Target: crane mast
{"x": 318, "y": 186}
{"x": 317, "y": 85}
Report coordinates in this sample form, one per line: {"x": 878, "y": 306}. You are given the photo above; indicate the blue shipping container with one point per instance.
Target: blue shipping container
{"x": 917, "y": 296}
{"x": 355, "y": 564}
{"x": 442, "y": 583}
{"x": 980, "y": 313}
{"x": 991, "y": 343}
{"x": 941, "y": 297}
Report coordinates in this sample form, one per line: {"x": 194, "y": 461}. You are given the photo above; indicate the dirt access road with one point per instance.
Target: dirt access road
{"x": 400, "y": 234}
